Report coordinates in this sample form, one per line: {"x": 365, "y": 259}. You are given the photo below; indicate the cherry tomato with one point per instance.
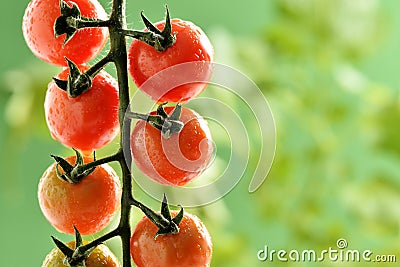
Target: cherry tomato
{"x": 191, "y": 247}
{"x": 101, "y": 256}
{"x": 86, "y": 122}
{"x": 192, "y": 45}
{"x": 38, "y": 30}
{"x": 90, "y": 204}
{"x": 178, "y": 159}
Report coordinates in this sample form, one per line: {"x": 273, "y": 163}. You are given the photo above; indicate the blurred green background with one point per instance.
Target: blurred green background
{"x": 329, "y": 70}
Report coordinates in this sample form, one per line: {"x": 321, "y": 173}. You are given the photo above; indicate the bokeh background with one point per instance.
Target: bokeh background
{"x": 329, "y": 70}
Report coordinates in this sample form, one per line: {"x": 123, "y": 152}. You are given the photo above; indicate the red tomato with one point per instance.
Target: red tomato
{"x": 192, "y": 45}
{"x": 86, "y": 122}
{"x": 191, "y": 247}
{"x": 101, "y": 256}
{"x": 178, "y": 159}
{"x": 38, "y": 30}
{"x": 90, "y": 204}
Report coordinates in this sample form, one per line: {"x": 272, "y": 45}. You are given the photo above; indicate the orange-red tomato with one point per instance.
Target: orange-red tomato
{"x": 192, "y": 45}
{"x": 90, "y": 204}
{"x": 191, "y": 247}
{"x": 38, "y": 29}
{"x": 178, "y": 159}
{"x": 101, "y": 256}
{"x": 88, "y": 121}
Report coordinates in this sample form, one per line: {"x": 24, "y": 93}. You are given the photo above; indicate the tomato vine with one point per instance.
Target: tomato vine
{"x": 80, "y": 80}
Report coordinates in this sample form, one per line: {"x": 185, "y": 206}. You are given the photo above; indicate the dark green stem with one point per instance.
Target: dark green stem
{"x": 119, "y": 56}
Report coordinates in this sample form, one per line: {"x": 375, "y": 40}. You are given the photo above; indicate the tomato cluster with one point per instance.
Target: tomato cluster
{"x": 172, "y": 145}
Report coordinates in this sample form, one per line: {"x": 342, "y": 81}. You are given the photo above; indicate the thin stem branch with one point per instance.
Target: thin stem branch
{"x": 158, "y": 219}
{"x": 88, "y": 23}
{"x": 102, "y": 239}
{"x": 135, "y": 115}
{"x": 96, "y": 68}
{"x": 97, "y": 162}
{"x": 147, "y": 37}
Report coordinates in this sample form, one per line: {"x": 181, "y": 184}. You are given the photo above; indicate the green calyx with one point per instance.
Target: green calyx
{"x": 71, "y": 21}
{"x": 163, "y": 220}
{"x": 160, "y": 40}
{"x": 167, "y": 124}
{"x": 77, "y": 82}
{"x": 72, "y": 174}
{"x": 74, "y": 257}
{"x": 67, "y": 23}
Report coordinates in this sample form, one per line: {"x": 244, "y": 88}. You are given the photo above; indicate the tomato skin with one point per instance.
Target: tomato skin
{"x": 38, "y": 30}
{"x": 87, "y": 122}
{"x": 178, "y": 159}
{"x": 101, "y": 256}
{"x": 191, "y": 247}
{"x": 192, "y": 45}
{"x": 90, "y": 205}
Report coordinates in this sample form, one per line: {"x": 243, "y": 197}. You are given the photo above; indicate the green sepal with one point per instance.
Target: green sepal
{"x": 79, "y": 256}
{"x": 171, "y": 230}
{"x": 176, "y": 113}
{"x": 171, "y": 123}
{"x": 64, "y": 248}
{"x": 78, "y": 82}
{"x": 78, "y": 237}
{"x": 168, "y": 27}
{"x": 149, "y": 25}
{"x": 67, "y": 23}
{"x": 154, "y": 217}
{"x": 67, "y": 168}
{"x": 178, "y": 218}
{"x": 165, "y": 209}
{"x": 173, "y": 223}
{"x": 73, "y": 173}
{"x": 161, "y": 111}
{"x": 79, "y": 157}
{"x": 74, "y": 257}
{"x": 61, "y": 84}
{"x": 156, "y": 121}
{"x": 80, "y": 253}
{"x": 160, "y": 40}
{"x": 67, "y": 11}
{"x": 168, "y": 125}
